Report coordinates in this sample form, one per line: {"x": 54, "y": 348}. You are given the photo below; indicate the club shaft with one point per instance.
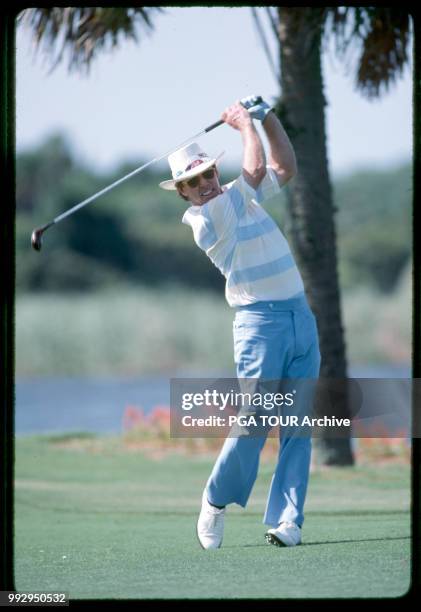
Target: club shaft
{"x": 105, "y": 190}
{"x": 137, "y": 171}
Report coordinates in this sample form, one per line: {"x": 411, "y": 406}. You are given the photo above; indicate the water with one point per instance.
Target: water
{"x": 59, "y": 405}
{"x": 51, "y": 405}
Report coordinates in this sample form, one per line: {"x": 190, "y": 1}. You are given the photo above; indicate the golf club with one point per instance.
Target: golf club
{"x": 36, "y": 237}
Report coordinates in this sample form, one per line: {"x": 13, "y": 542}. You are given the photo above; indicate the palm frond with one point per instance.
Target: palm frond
{"x": 382, "y": 37}
{"x": 84, "y": 32}
{"x": 265, "y": 45}
{"x": 384, "y": 54}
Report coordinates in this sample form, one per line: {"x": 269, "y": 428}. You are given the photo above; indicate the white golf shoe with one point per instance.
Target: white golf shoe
{"x": 210, "y": 525}
{"x": 287, "y": 534}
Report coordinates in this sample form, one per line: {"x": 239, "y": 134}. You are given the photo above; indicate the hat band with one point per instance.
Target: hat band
{"x": 194, "y": 163}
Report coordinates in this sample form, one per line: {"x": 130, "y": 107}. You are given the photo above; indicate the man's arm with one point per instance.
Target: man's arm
{"x": 281, "y": 156}
{"x": 254, "y": 158}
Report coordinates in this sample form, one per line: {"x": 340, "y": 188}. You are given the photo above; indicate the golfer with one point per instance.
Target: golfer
{"x": 275, "y": 333}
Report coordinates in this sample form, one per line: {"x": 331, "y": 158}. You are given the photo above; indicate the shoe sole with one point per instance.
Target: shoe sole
{"x": 272, "y": 539}
{"x": 197, "y": 535}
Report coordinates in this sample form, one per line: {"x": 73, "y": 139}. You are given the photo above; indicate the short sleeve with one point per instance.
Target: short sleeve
{"x": 218, "y": 219}
{"x": 268, "y": 187}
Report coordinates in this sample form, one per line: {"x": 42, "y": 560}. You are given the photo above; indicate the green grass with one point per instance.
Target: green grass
{"x": 123, "y": 332}
{"x": 98, "y": 522}
{"x": 378, "y": 326}
{"x": 146, "y": 331}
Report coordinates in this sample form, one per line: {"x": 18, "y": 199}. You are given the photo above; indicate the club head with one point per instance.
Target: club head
{"x": 36, "y": 239}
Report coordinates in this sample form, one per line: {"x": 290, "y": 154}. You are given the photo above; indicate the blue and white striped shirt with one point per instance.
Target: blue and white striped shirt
{"x": 245, "y": 244}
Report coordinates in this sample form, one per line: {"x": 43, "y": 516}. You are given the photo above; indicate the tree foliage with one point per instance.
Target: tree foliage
{"x": 134, "y": 234}
{"x": 85, "y": 32}
{"x": 382, "y": 36}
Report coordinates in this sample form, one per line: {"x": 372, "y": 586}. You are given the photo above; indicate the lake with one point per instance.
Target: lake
{"x": 96, "y": 405}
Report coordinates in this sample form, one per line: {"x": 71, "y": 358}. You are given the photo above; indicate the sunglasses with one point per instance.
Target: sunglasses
{"x": 207, "y": 174}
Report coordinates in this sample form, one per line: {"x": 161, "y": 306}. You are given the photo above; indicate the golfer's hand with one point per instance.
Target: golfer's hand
{"x": 237, "y": 117}
{"x": 257, "y": 110}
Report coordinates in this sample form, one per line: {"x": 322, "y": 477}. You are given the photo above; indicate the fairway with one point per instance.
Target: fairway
{"x": 98, "y": 522}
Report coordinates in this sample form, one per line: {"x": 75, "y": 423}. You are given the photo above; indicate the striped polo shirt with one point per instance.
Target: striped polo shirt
{"x": 245, "y": 244}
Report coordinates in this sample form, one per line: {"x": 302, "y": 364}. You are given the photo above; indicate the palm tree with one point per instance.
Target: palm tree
{"x": 84, "y": 32}
{"x": 383, "y": 34}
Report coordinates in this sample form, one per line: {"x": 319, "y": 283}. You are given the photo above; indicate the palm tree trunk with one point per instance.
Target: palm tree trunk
{"x": 310, "y": 195}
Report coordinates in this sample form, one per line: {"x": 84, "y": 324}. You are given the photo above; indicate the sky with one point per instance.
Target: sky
{"x": 143, "y": 100}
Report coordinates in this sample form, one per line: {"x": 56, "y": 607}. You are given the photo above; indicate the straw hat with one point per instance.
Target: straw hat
{"x": 186, "y": 163}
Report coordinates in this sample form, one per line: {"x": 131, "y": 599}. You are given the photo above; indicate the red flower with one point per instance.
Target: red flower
{"x": 132, "y": 417}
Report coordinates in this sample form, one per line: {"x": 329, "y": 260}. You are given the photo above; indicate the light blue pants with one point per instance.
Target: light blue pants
{"x": 272, "y": 341}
